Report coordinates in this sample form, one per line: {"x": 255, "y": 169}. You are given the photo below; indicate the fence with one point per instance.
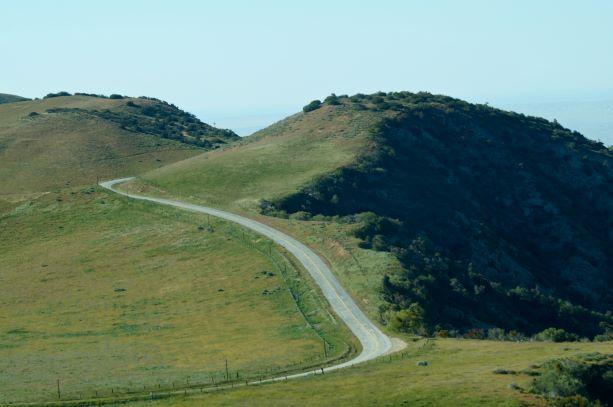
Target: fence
{"x": 334, "y": 350}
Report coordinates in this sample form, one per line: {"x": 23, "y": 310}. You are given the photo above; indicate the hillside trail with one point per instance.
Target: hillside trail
{"x": 373, "y": 341}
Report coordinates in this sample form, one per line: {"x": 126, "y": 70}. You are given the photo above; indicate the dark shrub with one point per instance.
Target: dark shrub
{"x": 55, "y": 95}
{"x": 314, "y": 105}
{"x": 556, "y": 335}
{"x": 332, "y": 100}
{"x": 504, "y": 371}
{"x": 115, "y": 96}
{"x": 563, "y": 380}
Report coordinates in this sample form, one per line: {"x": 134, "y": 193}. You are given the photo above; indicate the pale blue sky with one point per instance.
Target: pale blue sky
{"x": 240, "y": 59}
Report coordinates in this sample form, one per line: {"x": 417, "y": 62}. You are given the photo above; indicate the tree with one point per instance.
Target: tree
{"x": 556, "y": 335}
{"x": 408, "y": 320}
{"x": 332, "y": 100}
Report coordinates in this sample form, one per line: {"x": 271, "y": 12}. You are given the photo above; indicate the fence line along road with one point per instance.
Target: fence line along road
{"x": 374, "y": 342}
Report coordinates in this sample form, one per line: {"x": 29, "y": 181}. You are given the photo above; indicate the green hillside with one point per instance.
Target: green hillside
{"x": 481, "y": 214}
{"x": 73, "y": 140}
{"x": 6, "y": 98}
{"x": 272, "y": 163}
{"x": 112, "y": 296}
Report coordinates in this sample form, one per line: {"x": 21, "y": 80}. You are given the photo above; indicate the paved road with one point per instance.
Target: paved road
{"x": 374, "y": 342}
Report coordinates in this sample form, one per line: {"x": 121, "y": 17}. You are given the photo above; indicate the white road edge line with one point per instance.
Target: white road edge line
{"x": 374, "y": 342}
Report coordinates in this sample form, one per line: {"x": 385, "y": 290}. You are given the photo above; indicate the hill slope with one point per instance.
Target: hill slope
{"x": 498, "y": 219}
{"x": 273, "y": 162}
{"x": 516, "y": 206}
{"x": 93, "y": 283}
{"x": 6, "y": 98}
{"x": 72, "y": 140}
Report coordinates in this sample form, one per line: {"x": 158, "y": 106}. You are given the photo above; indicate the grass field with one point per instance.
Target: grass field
{"x": 459, "y": 373}
{"x": 103, "y": 293}
{"x": 54, "y": 150}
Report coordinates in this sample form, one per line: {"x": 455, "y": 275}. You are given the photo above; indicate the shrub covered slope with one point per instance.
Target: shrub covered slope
{"x": 499, "y": 219}
{"x": 6, "y": 98}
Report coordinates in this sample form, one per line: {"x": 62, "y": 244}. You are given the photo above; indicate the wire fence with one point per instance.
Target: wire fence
{"x": 62, "y": 395}
{"x": 66, "y": 391}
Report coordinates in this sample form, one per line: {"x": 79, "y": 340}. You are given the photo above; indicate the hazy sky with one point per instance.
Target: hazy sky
{"x": 236, "y": 58}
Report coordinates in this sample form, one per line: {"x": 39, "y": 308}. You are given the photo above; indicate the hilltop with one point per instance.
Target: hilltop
{"x": 6, "y": 98}
{"x": 496, "y": 219}
{"x": 70, "y": 140}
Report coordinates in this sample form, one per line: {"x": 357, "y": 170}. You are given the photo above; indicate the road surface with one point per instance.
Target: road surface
{"x": 374, "y": 342}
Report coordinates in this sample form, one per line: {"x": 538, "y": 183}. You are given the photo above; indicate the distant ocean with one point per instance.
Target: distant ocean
{"x": 591, "y": 117}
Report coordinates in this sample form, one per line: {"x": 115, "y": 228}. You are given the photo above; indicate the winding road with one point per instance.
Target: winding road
{"x": 374, "y": 342}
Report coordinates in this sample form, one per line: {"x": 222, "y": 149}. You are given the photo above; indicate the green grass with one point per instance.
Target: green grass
{"x": 102, "y": 293}
{"x": 459, "y": 373}
{"x": 359, "y": 270}
{"x": 50, "y": 151}
{"x": 278, "y": 161}
{"x": 273, "y": 162}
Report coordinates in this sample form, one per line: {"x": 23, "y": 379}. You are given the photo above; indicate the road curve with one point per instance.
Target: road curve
{"x": 374, "y": 342}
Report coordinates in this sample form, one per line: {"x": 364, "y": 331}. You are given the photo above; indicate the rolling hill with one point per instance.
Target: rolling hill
{"x": 439, "y": 217}
{"x": 63, "y": 140}
{"x": 102, "y": 296}
{"x": 111, "y": 296}
{"x": 6, "y": 98}
{"x": 486, "y": 218}
{"x": 274, "y": 162}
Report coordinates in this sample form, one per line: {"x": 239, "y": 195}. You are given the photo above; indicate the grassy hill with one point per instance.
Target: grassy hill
{"x": 6, "y": 98}
{"x": 484, "y": 218}
{"x": 272, "y": 163}
{"x": 72, "y": 140}
{"x": 440, "y": 217}
{"x": 110, "y": 296}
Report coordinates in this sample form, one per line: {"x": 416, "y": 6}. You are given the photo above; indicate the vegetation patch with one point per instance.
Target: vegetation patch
{"x": 586, "y": 380}
{"x": 161, "y": 119}
{"x": 6, "y": 98}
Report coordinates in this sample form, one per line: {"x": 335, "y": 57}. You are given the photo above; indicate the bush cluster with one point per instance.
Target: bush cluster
{"x": 583, "y": 381}
{"x": 314, "y": 105}
{"x": 161, "y": 119}
{"x": 55, "y": 95}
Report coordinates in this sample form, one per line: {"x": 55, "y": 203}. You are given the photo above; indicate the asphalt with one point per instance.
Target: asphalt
{"x": 374, "y": 342}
